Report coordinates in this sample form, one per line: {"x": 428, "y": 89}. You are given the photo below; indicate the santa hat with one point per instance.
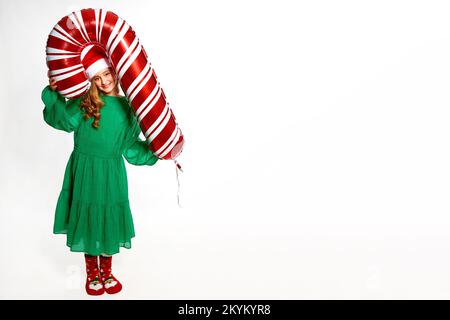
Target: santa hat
{"x": 94, "y": 60}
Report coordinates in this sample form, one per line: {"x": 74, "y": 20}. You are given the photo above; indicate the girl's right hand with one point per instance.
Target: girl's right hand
{"x": 51, "y": 82}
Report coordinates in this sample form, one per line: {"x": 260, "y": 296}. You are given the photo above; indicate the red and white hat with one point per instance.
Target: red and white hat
{"x": 94, "y": 60}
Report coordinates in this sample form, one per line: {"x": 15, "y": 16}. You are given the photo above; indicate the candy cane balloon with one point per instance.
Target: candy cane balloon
{"x": 75, "y": 34}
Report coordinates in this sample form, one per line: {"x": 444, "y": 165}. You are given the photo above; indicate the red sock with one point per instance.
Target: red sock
{"x": 110, "y": 283}
{"x": 94, "y": 285}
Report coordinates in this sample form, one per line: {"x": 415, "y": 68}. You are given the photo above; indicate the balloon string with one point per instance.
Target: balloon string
{"x": 178, "y": 167}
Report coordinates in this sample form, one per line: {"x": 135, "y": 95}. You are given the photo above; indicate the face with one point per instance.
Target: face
{"x": 105, "y": 81}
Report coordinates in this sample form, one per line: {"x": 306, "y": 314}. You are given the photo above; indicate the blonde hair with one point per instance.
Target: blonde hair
{"x": 91, "y": 102}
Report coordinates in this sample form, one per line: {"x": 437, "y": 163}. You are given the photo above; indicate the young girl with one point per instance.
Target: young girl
{"x": 93, "y": 208}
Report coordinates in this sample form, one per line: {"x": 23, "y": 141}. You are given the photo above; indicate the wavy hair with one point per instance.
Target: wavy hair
{"x": 91, "y": 102}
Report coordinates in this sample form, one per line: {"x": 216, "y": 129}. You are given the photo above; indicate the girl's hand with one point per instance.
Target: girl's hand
{"x": 51, "y": 82}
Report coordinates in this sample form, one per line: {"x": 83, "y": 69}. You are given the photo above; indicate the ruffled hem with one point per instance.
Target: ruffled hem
{"x": 94, "y": 228}
{"x": 126, "y": 245}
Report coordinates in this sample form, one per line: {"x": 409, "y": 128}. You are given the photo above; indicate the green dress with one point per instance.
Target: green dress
{"x": 93, "y": 208}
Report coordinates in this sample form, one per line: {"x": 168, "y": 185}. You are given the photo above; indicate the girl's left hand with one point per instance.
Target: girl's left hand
{"x": 51, "y": 82}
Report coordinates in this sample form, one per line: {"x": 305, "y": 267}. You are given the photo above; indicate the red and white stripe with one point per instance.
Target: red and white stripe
{"x": 79, "y": 30}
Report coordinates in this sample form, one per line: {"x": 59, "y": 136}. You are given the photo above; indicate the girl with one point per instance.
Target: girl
{"x": 93, "y": 208}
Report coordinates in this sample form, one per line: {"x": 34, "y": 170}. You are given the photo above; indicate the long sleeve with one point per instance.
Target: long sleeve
{"x": 136, "y": 151}
{"x": 59, "y": 113}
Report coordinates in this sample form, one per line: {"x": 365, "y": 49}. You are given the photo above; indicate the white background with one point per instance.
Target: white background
{"x": 316, "y": 163}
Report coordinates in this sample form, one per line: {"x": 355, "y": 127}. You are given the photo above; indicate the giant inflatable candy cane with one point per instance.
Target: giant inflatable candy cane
{"x": 80, "y": 31}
